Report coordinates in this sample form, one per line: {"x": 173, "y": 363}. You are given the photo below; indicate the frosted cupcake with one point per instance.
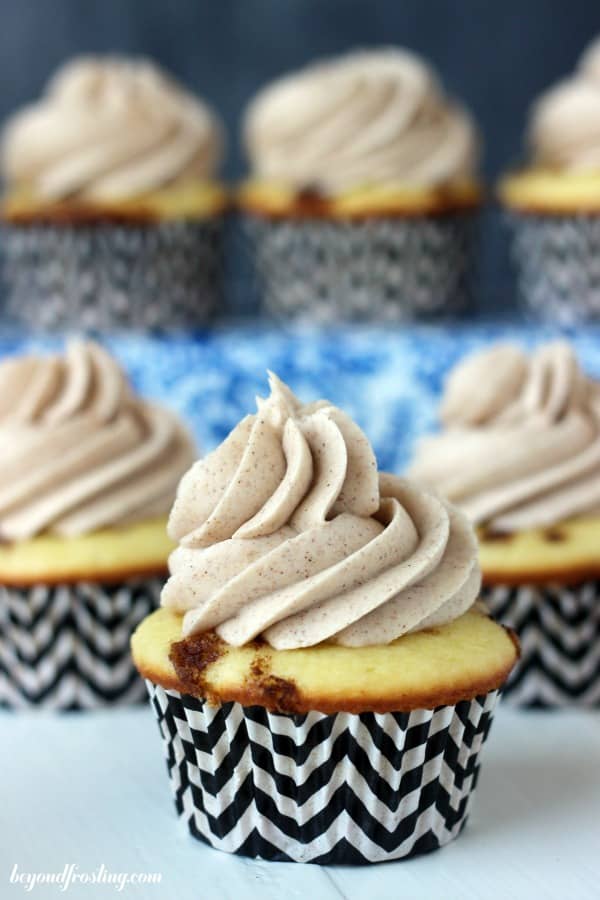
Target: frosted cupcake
{"x": 520, "y": 454}
{"x": 554, "y": 200}
{"x": 88, "y": 472}
{"x": 322, "y": 673}
{"x": 362, "y": 190}
{"x": 112, "y": 213}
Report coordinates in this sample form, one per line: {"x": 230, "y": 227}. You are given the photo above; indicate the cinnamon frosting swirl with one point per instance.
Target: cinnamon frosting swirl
{"x": 365, "y": 118}
{"x": 564, "y": 130}
{"x": 78, "y": 451}
{"x": 288, "y": 531}
{"x": 108, "y": 128}
{"x": 522, "y": 444}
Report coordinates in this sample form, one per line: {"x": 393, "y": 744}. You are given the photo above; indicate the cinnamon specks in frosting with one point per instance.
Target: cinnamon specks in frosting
{"x": 288, "y": 532}
{"x": 78, "y": 450}
{"x": 369, "y": 117}
{"x": 108, "y": 128}
{"x": 564, "y": 129}
{"x": 521, "y": 445}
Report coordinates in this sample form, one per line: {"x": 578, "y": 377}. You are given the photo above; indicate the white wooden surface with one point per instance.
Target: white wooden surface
{"x": 92, "y": 788}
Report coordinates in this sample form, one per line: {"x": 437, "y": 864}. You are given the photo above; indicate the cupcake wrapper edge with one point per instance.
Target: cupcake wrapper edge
{"x": 327, "y": 789}
{"x": 162, "y": 276}
{"x": 385, "y": 269}
{"x": 67, "y": 646}
{"x": 557, "y": 263}
{"x": 559, "y": 630}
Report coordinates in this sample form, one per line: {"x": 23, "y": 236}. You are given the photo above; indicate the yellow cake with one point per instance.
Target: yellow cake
{"x": 273, "y": 199}
{"x": 107, "y": 555}
{"x": 458, "y": 661}
{"x": 551, "y": 192}
{"x": 561, "y": 176}
{"x": 188, "y": 201}
{"x": 567, "y": 552}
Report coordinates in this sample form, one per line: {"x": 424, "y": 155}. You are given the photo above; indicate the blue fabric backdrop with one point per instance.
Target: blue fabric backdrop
{"x": 388, "y": 381}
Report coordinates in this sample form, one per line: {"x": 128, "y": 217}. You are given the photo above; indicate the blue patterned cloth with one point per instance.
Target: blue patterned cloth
{"x": 389, "y": 380}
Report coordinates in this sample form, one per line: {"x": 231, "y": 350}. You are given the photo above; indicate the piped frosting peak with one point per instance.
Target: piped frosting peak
{"x": 288, "y": 531}
{"x": 521, "y": 447}
{"x": 368, "y": 117}
{"x": 78, "y": 450}
{"x": 108, "y": 128}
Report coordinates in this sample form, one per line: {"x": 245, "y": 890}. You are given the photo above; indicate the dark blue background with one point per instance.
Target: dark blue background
{"x": 496, "y": 56}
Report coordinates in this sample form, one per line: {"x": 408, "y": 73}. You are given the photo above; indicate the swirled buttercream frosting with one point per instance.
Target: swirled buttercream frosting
{"x": 108, "y": 128}
{"x": 78, "y": 451}
{"x": 564, "y": 128}
{"x": 372, "y": 117}
{"x": 288, "y": 531}
{"x": 521, "y": 447}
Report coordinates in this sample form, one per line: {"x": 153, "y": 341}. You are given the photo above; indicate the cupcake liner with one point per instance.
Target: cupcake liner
{"x": 328, "y": 789}
{"x": 386, "y": 269}
{"x": 557, "y": 261}
{"x": 559, "y": 630}
{"x": 161, "y": 276}
{"x": 67, "y": 646}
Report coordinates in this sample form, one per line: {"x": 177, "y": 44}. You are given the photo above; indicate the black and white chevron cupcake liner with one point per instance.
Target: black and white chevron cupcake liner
{"x": 380, "y": 269}
{"x": 557, "y": 262}
{"x": 559, "y": 630}
{"x": 329, "y": 789}
{"x": 67, "y": 646}
{"x": 161, "y": 276}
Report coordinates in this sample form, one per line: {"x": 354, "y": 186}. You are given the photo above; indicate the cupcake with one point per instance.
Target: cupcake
{"x": 112, "y": 217}
{"x": 520, "y": 455}
{"x": 554, "y": 200}
{"x": 88, "y": 473}
{"x": 363, "y": 187}
{"x": 322, "y": 672}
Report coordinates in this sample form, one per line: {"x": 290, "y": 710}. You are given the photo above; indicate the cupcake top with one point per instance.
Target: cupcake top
{"x": 108, "y": 128}
{"x": 288, "y": 531}
{"x": 564, "y": 128}
{"x": 370, "y": 117}
{"x": 521, "y": 448}
{"x": 78, "y": 450}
